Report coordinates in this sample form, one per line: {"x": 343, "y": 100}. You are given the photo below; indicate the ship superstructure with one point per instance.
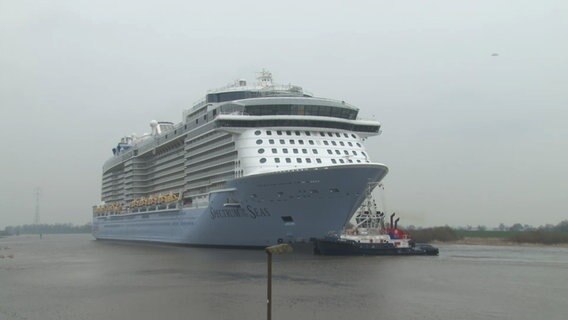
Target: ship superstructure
{"x": 247, "y": 166}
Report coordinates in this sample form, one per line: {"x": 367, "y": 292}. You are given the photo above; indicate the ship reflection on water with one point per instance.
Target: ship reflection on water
{"x": 74, "y": 277}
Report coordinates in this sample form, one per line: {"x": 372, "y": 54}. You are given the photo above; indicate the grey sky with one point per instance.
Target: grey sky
{"x": 469, "y": 138}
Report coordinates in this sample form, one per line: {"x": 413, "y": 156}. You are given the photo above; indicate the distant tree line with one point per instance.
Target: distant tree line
{"x": 46, "y": 229}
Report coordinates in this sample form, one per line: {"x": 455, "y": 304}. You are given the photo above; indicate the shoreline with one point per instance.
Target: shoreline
{"x": 498, "y": 242}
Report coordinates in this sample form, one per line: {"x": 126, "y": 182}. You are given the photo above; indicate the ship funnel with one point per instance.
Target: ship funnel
{"x": 396, "y": 223}
{"x": 392, "y": 216}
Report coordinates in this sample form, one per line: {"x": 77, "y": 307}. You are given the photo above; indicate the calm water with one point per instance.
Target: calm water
{"x": 75, "y": 277}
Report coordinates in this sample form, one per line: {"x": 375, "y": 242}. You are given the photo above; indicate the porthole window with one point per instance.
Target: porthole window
{"x": 299, "y": 160}
{"x": 354, "y": 152}
{"x": 359, "y": 145}
{"x": 350, "y": 161}
{"x": 311, "y": 142}
{"x": 333, "y": 161}
{"x": 282, "y": 141}
{"x": 308, "y": 133}
{"x": 354, "y": 137}
{"x": 322, "y": 134}
{"x": 259, "y": 141}
{"x": 318, "y": 160}
{"x": 277, "y": 160}
{"x": 329, "y": 151}
{"x": 262, "y": 160}
{"x": 325, "y": 142}
{"x": 345, "y": 135}
{"x": 341, "y": 143}
{"x": 341, "y": 160}
{"x": 292, "y": 141}
{"x": 261, "y": 150}
{"x": 346, "y": 152}
{"x": 308, "y": 160}
{"x": 295, "y": 151}
{"x": 274, "y": 150}
{"x": 257, "y": 133}
{"x": 271, "y": 141}
{"x": 330, "y": 134}
{"x": 268, "y": 133}
{"x": 301, "y": 141}
{"x": 288, "y": 133}
{"x": 297, "y": 133}
{"x": 285, "y": 150}
{"x": 315, "y": 151}
{"x": 337, "y": 152}
{"x": 337, "y": 135}
{"x": 304, "y": 150}
{"x": 350, "y": 144}
{"x": 278, "y": 132}
{"x": 334, "y": 143}
{"x": 288, "y": 160}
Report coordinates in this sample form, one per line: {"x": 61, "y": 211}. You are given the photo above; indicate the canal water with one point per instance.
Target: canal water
{"x": 76, "y": 277}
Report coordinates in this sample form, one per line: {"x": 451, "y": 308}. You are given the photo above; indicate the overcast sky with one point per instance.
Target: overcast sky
{"x": 469, "y": 137}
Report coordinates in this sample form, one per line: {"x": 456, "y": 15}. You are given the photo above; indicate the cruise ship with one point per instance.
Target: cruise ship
{"x": 248, "y": 166}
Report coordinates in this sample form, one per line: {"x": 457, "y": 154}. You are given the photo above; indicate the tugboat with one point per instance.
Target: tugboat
{"x": 369, "y": 236}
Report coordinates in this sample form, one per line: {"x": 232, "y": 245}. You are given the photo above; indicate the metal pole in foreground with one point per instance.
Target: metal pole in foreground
{"x": 277, "y": 249}
{"x": 269, "y": 287}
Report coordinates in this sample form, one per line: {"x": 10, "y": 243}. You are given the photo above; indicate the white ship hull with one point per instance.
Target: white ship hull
{"x": 257, "y": 210}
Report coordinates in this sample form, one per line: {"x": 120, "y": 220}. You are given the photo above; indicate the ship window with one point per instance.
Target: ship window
{"x": 333, "y": 161}
{"x": 297, "y": 133}
{"x": 215, "y": 112}
{"x": 322, "y": 134}
{"x": 334, "y": 143}
{"x": 330, "y": 134}
{"x": 318, "y": 160}
{"x": 354, "y": 137}
{"x": 354, "y": 152}
{"x": 311, "y": 142}
{"x": 274, "y": 150}
{"x": 333, "y": 190}
{"x": 337, "y": 152}
{"x": 315, "y": 151}
{"x": 277, "y": 160}
{"x": 363, "y": 153}
{"x": 295, "y": 150}
{"x": 308, "y": 133}
{"x": 285, "y": 150}
{"x": 350, "y": 161}
{"x": 304, "y": 150}
{"x": 282, "y": 141}
{"x": 271, "y": 141}
{"x": 288, "y": 160}
{"x": 261, "y": 150}
{"x": 329, "y": 151}
{"x": 299, "y": 160}
{"x": 196, "y": 121}
{"x": 279, "y": 132}
{"x": 341, "y": 160}
{"x": 341, "y": 143}
{"x": 268, "y": 132}
{"x": 346, "y": 152}
{"x": 257, "y": 133}
{"x": 301, "y": 141}
{"x": 292, "y": 141}
{"x": 350, "y": 144}
{"x": 185, "y": 126}
{"x": 287, "y": 219}
{"x": 288, "y": 133}
{"x": 308, "y": 160}
{"x": 259, "y": 141}
{"x": 359, "y": 145}
{"x": 325, "y": 142}
{"x": 337, "y": 135}
{"x": 345, "y": 135}
{"x": 205, "y": 117}
{"x": 358, "y": 161}
{"x": 262, "y": 160}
